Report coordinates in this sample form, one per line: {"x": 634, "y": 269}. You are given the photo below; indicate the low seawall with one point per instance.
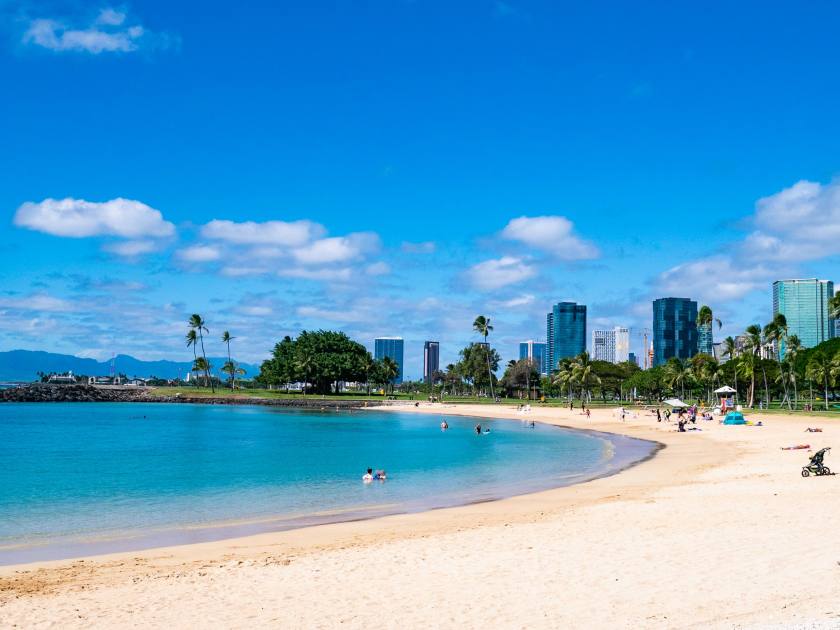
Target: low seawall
{"x": 46, "y": 393}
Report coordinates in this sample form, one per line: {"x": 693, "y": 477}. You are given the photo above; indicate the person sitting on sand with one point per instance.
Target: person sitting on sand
{"x": 368, "y": 476}
{"x": 815, "y": 430}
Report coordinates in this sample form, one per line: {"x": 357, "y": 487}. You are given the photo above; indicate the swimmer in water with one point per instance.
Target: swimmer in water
{"x": 444, "y": 425}
{"x": 380, "y": 475}
{"x": 368, "y": 476}
{"x": 478, "y": 429}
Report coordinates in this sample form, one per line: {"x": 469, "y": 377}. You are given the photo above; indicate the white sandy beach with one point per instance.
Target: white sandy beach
{"x": 717, "y": 530}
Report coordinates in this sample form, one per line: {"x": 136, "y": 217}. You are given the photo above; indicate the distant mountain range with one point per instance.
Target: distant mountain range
{"x": 24, "y": 365}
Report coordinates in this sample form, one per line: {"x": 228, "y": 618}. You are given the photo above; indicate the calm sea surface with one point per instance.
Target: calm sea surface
{"x": 91, "y": 478}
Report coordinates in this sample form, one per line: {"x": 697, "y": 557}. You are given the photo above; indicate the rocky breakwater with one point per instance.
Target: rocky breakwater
{"x": 70, "y": 393}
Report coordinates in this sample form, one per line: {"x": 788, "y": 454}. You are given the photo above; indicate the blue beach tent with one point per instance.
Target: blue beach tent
{"x": 734, "y": 417}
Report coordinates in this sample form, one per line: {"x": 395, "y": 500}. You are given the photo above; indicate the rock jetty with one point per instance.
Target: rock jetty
{"x": 46, "y": 393}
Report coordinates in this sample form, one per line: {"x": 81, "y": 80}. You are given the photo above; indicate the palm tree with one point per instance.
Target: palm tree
{"x": 705, "y": 319}
{"x": 482, "y": 326}
{"x": 792, "y": 349}
{"x": 582, "y": 373}
{"x": 564, "y": 377}
{"x": 677, "y": 374}
{"x": 753, "y": 345}
{"x": 730, "y": 350}
{"x": 232, "y": 369}
{"x": 776, "y": 333}
{"x": 226, "y": 339}
{"x": 390, "y": 371}
{"x": 822, "y": 368}
{"x": 192, "y": 340}
{"x": 198, "y": 325}
{"x": 368, "y": 363}
{"x": 201, "y": 365}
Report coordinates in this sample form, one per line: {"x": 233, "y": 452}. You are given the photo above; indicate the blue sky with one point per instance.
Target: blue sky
{"x": 397, "y": 167}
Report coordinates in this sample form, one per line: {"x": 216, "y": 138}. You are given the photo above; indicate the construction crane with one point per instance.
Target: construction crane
{"x": 644, "y": 333}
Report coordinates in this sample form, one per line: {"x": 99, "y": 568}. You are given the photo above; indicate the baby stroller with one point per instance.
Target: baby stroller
{"x": 816, "y": 466}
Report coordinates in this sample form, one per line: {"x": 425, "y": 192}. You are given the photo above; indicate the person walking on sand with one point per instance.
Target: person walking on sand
{"x": 658, "y": 415}
{"x": 588, "y": 414}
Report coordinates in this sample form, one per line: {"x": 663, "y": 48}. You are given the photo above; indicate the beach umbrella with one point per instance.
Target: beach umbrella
{"x": 725, "y": 390}
{"x": 675, "y": 402}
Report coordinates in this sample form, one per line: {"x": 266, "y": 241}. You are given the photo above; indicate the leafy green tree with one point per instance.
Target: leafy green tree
{"x": 232, "y": 370}
{"x": 471, "y": 365}
{"x": 834, "y": 306}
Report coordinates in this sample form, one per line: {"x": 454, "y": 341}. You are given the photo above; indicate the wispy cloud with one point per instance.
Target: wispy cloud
{"x": 108, "y": 32}
{"x": 500, "y": 272}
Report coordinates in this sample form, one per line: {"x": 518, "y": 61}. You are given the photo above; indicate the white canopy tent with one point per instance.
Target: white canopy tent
{"x": 675, "y": 402}
{"x": 725, "y": 390}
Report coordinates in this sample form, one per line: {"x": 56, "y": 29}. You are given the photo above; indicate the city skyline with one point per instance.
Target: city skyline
{"x": 288, "y": 191}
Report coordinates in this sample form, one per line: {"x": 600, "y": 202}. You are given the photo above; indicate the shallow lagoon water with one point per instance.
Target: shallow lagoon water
{"x": 78, "y": 479}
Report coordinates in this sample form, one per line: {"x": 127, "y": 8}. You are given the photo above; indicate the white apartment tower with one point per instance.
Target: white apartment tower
{"x": 611, "y": 345}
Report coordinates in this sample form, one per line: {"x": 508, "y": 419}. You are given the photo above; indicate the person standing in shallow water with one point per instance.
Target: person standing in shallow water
{"x": 478, "y": 429}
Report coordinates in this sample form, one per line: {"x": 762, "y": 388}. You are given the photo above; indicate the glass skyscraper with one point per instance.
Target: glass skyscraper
{"x": 536, "y": 351}
{"x": 431, "y": 360}
{"x": 390, "y": 347}
{"x": 565, "y": 332}
{"x": 804, "y": 303}
{"x": 674, "y": 329}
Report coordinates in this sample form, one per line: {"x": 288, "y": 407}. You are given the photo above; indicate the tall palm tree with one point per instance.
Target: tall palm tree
{"x": 792, "y": 349}
{"x": 775, "y": 333}
{"x": 232, "y": 369}
{"x": 705, "y": 319}
{"x": 226, "y": 339}
{"x": 192, "y": 340}
{"x": 677, "y": 374}
{"x": 730, "y": 351}
{"x": 482, "y": 326}
{"x": 821, "y": 368}
{"x": 199, "y": 326}
{"x": 753, "y": 346}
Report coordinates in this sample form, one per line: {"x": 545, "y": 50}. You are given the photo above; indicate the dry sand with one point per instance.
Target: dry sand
{"x": 718, "y": 530}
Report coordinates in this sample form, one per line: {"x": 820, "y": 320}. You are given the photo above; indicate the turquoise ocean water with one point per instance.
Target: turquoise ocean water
{"x": 78, "y": 479}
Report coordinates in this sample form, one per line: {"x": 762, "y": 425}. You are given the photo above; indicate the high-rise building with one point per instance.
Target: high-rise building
{"x": 804, "y": 303}
{"x": 633, "y": 359}
{"x": 431, "y": 360}
{"x": 390, "y": 347}
{"x": 536, "y": 351}
{"x": 674, "y": 329}
{"x": 565, "y": 332}
{"x": 705, "y": 338}
{"x": 611, "y": 345}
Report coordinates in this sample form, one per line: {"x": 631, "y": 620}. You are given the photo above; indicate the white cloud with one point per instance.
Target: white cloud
{"x": 521, "y": 300}
{"x": 107, "y": 33}
{"x": 426, "y": 247}
{"x": 337, "y": 249}
{"x": 326, "y": 274}
{"x": 235, "y": 271}
{"x": 378, "y": 269}
{"x": 552, "y": 234}
{"x": 200, "y": 253}
{"x": 715, "y": 279}
{"x": 276, "y": 233}
{"x": 131, "y": 249}
{"x": 39, "y": 302}
{"x": 497, "y": 273}
{"x": 801, "y": 222}
{"x": 77, "y": 218}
